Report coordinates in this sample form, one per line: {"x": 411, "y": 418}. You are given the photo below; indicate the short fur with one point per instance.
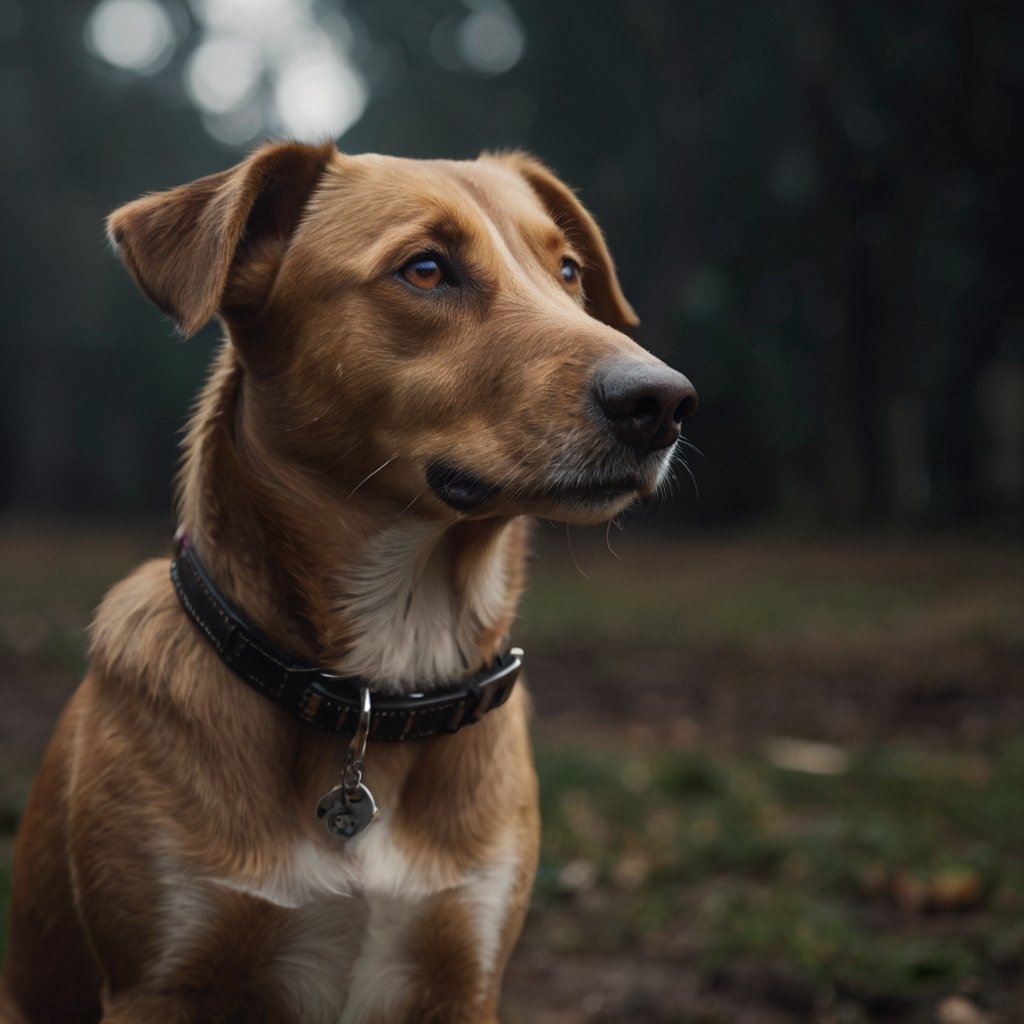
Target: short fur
{"x": 169, "y": 865}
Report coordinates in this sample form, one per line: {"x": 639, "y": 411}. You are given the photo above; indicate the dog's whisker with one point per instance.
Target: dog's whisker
{"x": 386, "y": 462}
{"x": 608, "y": 540}
{"x": 411, "y": 503}
{"x": 693, "y": 479}
{"x": 572, "y": 554}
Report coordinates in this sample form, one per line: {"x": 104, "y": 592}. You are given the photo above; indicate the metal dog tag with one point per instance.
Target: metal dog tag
{"x": 347, "y": 817}
{"x": 347, "y": 809}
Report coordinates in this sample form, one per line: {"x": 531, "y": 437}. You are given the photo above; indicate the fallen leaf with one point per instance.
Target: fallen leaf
{"x": 960, "y": 1010}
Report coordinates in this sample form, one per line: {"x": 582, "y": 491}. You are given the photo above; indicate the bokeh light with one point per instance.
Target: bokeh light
{"x": 260, "y": 66}
{"x": 223, "y": 73}
{"x": 134, "y": 35}
{"x": 490, "y": 39}
{"x": 318, "y": 97}
{"x": 274, "y": 66}
{"x": 256, "y": 19}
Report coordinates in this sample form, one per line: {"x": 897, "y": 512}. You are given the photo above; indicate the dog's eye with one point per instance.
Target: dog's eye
{"x": 426, "y": 272}
{"x": 570, "y": 270}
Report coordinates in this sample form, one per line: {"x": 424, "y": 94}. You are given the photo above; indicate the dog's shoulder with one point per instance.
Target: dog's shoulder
{"x": 139, "y": 634}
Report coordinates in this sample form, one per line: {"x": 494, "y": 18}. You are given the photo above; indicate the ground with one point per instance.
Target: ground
{"x": 782, "y": 779}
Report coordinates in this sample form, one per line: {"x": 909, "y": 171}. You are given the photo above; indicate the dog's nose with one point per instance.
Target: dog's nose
{"x": 644, "y": 404}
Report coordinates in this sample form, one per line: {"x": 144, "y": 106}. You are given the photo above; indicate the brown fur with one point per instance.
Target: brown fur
{"x": 167, "y": 776}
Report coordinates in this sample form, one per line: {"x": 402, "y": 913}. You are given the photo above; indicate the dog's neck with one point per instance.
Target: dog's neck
{"x": 407, "y": 602}
{"x": 427, "y": 605}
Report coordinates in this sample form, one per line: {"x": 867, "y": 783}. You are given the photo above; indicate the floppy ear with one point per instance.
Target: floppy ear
{"x": 182, "y": 246}
{"x": 604, "y": 297}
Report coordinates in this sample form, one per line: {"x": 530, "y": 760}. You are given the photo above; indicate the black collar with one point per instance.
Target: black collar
{"x": 324, "y": 699}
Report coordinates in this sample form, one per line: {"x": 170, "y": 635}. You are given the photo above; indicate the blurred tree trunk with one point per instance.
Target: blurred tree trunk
{"x": 669, "y": 32}
{"x": 848, "y": 387}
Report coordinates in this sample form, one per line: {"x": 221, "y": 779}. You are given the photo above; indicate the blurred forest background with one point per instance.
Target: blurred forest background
{"x": 815, "y": 208}
{"x": 810, "y": 676}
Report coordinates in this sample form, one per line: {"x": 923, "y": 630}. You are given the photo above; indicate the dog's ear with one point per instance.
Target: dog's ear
{"x": 183, "y": 246}
{"x": 604, "y": 297}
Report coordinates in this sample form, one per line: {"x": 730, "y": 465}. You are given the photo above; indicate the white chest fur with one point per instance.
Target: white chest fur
{"x": 342, "y": 955}
{"x": 413, "y": 623}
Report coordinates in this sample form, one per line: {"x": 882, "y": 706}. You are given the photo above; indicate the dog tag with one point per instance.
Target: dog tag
{"x": 343, "y": 817}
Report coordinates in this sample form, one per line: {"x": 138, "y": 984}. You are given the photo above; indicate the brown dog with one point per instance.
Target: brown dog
{"x": 419, "y": 354}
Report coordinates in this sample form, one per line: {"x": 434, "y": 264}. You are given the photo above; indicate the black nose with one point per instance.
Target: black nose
{"x": 644, "y": 404}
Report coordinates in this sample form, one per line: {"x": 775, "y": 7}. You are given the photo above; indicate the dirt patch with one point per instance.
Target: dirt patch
{"x": 719, "y": 648}
{"x": 959, "y": 696}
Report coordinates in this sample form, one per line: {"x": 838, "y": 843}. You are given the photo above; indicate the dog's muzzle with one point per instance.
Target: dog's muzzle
{"x": 644, "y": 404}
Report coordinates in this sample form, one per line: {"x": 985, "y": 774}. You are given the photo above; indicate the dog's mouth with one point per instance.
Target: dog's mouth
{"x": 464, "y": 491}
{"x": 458, "y": 488}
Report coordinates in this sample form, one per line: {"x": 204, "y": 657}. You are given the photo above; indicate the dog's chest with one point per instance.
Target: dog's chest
{"x": 341, "y": 921}
{"x": 338, "y": 922}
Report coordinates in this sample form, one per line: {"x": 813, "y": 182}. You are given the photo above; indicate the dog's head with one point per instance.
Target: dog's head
{"x": 445, "y": 333}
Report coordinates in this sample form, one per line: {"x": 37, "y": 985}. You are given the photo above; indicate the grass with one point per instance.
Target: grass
{"x": 884, "y": 868}
{"x": 713, "y": 593}
{"x": 898, "y": 878}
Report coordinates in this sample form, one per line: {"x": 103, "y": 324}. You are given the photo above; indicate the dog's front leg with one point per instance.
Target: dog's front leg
{"x": 138, "y": 1009}
{"x": 148, "y": 1007}
{"x": 440, "y": 960}
{"x": 420, "y": 964}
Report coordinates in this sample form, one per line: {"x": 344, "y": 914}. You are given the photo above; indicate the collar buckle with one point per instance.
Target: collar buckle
{"x": 495, "y": 690}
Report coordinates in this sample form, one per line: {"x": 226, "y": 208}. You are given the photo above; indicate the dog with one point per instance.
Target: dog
{"x": 296, "y": 782}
